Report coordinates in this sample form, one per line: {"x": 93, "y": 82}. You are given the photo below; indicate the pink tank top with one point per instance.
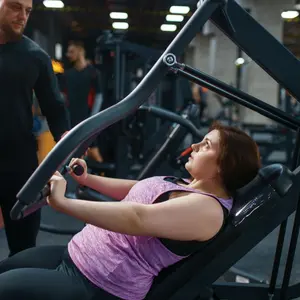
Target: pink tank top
{"x": 124, "y": 265}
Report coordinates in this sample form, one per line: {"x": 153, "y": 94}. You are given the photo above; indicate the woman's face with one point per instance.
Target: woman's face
{"x": 203, "y": 162}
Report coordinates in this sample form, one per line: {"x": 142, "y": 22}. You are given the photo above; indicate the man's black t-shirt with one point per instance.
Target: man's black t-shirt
{"x": 24, "y": 68}
{"x": 80, "y": 87}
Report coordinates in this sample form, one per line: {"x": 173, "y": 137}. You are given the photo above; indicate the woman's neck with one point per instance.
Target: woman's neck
{"x": 210, "y": 187}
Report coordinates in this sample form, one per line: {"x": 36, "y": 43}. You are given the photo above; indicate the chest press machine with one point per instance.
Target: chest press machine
{"x": 261, "y": 206}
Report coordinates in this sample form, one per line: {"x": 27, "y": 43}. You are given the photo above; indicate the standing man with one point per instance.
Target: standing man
{"x": 24, "y": 68}
{"x": 81, "y": 86}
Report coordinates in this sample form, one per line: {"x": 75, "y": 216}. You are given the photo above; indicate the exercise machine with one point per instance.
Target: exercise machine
{"x": 142, "y": 142}
{"x": 275, "y": 143}
{"x": 260, "y": 207}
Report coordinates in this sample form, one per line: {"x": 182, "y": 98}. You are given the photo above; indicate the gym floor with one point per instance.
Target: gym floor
{"x": 257, "y": 262}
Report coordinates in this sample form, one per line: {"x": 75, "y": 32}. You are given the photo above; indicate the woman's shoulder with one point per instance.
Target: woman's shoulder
{"x": 156, "y": 178}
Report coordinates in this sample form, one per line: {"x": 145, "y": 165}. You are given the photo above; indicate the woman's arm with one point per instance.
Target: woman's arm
{"x": 193, "y": 217}
{"x": 112, "y": 187}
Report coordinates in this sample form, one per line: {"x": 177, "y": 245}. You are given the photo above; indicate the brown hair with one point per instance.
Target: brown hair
{"x": 78, "y": 44}
{"x": 239, "y": 158}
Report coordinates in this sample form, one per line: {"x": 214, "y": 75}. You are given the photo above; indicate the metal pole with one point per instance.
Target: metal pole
{"x": 123, "y": 81}
{"x": 239, "y": 75}
{"x": 295, "y": 232}
{"x": 282, "y": 231}
{"x": 118, "y": 73}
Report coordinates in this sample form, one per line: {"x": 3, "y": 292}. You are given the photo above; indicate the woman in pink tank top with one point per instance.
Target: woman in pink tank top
{"x": 160, "y": 221}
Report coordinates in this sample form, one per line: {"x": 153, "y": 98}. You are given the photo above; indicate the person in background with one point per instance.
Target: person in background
{"x": 81, "y": 86}
{"x": 45, "y": 140}
{"x": 24, "y": 68}
{"x": 200, "y": 97}
{"x": 1, "y": 220}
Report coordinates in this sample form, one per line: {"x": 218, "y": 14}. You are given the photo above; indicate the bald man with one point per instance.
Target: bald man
{"x": 24, "y": 68}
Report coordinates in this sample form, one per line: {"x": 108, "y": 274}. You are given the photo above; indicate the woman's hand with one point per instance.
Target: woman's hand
{"x": 58, "y": 187}
{"x": 76, "y": 161}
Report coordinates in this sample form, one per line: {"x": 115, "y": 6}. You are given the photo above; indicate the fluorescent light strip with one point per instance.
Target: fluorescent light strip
{"x": 53, "y": 4}
{"x": 174, "y": 18}
{"x": 291, "y": 14}
{"x": 179, "y": 10}
{"x": 118, "y": 15}
{"x": 120, "y": 25}
{"x": 168, "y": 27}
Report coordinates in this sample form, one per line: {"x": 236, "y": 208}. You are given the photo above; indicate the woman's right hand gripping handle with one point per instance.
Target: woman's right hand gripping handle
{"x": 81, "y": 176}
{"x": 114, "y": 188}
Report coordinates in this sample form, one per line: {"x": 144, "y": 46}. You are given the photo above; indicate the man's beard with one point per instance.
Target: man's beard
{"x": 10, "y": 34}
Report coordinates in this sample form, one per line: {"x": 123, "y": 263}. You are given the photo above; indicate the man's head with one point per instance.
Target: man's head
{"x": 14, "y": 15}
{"x": 75, "y": 51}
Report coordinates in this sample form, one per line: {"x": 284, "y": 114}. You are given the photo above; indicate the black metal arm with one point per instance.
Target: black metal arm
{"x": 168, "y": 115}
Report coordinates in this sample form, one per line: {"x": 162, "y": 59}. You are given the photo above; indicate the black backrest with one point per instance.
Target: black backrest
{"x": 247, "y": 198}
{"x": 259, "y": 208}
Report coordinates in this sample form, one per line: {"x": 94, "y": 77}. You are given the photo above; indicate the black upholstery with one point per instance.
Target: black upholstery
{"x": 279, "y": 177}
{"x": 259, "y": 208}
{"x": 249, "y": 198}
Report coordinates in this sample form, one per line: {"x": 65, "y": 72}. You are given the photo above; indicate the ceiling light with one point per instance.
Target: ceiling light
{"x": 118, "y": 15}
{"x": 168, "y": 27}
{"x": 53, "y": 4}
{"x": 179, "y": 10}
{"x": 291, "y": 14}
{"x": 174, "y": 18}
{"x": 120, "y": 25}
{"x": 240, "y": 61}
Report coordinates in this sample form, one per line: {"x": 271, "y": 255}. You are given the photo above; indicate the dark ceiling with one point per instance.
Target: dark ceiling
{"x": 86, "y": 19}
